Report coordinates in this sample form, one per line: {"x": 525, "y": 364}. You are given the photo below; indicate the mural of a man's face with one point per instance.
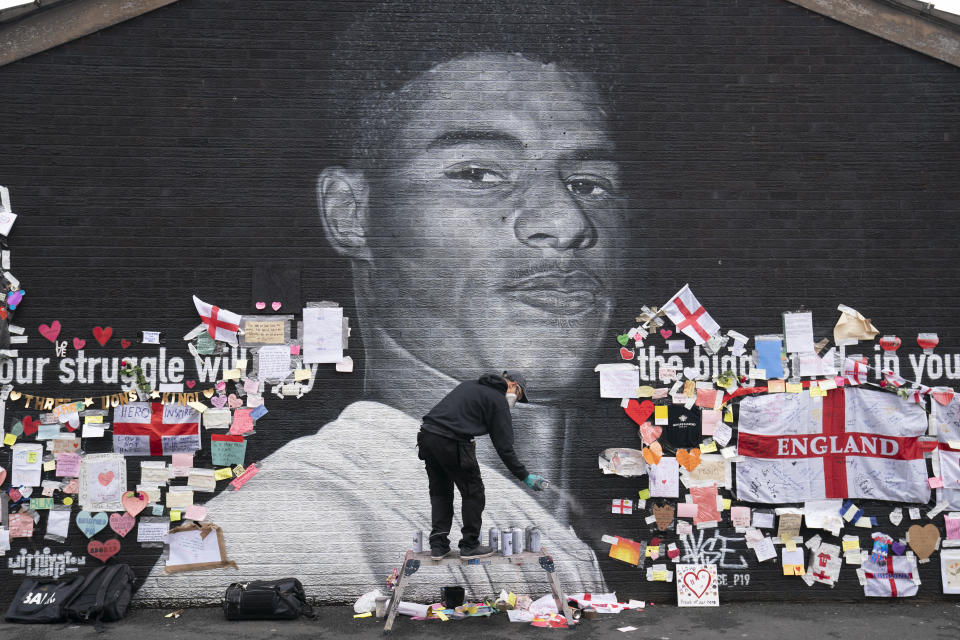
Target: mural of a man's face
{"x": 486, "y": 236}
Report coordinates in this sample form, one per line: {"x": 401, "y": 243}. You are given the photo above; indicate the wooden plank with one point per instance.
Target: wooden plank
{"x": 65, "y": 22}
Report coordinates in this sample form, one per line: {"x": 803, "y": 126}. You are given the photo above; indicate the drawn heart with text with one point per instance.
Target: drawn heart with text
{"x": 697, "y": 581}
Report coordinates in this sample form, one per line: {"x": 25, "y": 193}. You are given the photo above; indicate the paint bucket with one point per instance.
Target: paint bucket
{"x": 382, "y": 603}
{"x": 517, "y": 540}
{"x": 418, "y": 541}
{"x": 493, "y": 539}
{"x": 533, "y": 539}
{"x": 506, "y": 543}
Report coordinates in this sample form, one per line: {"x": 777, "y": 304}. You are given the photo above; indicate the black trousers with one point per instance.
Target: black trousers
{"x": 452, "y": 462}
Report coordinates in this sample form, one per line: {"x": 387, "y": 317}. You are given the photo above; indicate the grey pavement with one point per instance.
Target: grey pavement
{"x": 782, "y": 621}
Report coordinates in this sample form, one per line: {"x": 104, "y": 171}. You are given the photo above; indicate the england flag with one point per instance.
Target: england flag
{"x": 221, "y": 324}
{"x": 690, "y": 316}
{"x": 946, "y": 418}
{"x": 853, "y": 443}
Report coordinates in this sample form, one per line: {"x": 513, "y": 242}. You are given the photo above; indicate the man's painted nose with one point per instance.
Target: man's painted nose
{"x": 551, "y": 217}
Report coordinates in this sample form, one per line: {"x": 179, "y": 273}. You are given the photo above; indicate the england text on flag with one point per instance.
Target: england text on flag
{"x": 685, "y": 311}
{"x": 854, "y": 443}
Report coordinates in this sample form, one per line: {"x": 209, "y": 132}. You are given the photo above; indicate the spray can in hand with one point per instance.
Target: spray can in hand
{"x": 541, "y": 484}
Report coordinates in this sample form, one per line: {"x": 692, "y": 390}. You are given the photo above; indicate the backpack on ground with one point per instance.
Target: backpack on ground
{"x": 41, "y": 601}
{"x": 104, "y": 595}
{"x": 282, "y": 599}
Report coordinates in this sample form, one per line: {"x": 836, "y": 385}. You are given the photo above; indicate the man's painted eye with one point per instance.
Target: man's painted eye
{"x": 588, "y": 187}
{"x": 478, "y": 177}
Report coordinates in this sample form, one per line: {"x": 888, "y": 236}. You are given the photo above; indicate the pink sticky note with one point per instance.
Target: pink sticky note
{"x": 936, "y": 482}
{"x": 294, "y": 349}
{"x": 242, "y": 479}
{"x": 687, "y": 510}
{"x": 706, "y": 398}
{"x": 251, "y": 386}
{"x": 709, "y": 421}
{"x": 953, "y": 527}
{"x": 840, "y": 380}
{"x": 68, "y": 465}
{"x": 182, "y": 462}
{"x": 242, "y": 422}
{"x": 196, "y": 512}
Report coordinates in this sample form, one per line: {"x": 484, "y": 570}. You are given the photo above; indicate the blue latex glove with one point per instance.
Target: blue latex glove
{"x": 534, "y": 481}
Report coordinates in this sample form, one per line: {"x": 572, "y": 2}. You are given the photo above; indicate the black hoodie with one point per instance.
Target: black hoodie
{"x": 476, "y": 408}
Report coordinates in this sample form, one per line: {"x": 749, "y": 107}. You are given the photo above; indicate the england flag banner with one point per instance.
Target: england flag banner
{"x": 690, "y": 317}
{"x": 853, "y": 443}
{"x": 155, "y": 429}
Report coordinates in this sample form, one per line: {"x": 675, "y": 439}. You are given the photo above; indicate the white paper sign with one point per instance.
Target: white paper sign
{"x": 697, "y": 585}
{"x": 618, "y": 380}
{"x": 322, "y": 335}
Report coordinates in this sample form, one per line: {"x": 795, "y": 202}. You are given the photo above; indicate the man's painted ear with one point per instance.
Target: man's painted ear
{"x": 342, "y": 195}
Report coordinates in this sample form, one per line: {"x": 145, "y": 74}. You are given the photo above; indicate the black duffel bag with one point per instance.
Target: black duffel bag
{"x": 104, "y": 596}
{"x": 42, "y": 601}
{"x": 282, "y": 599}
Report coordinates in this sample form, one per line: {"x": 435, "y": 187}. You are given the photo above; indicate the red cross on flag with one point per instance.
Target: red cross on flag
{"x": 155, "y": 429}
{"x": 623, "y": 506}
{"x": 690, "y": 317}
{"x": 853, "y": 443}
{"x": 221, "y": 324}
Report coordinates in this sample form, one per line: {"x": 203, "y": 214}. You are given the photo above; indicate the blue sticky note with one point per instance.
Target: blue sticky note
{"x": 258, "y": 412}
{"x": 158, "y": 509}
{"x": 769, "y": 357}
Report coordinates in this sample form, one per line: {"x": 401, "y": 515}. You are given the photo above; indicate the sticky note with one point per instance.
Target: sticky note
{"x": 686, "y": 510}
{"x": 174, "y": 515}
{"x": 728, "y": 416}
{"x": 93, "y": 419}
{"x": 726, "y": 504}
{"x": 294, "y": 349}
{"x": 225, "y": 473}
{"x": 817, "y": 392}
{"x": 794, "y": 387}
{"x": 242, "y": 365}
{"x": 49, "y": 465}
{"x": 301, "y": 374}
{"x": 644, "y": 494}
{"x": 232, "y": 374}
{"x": 935, "y": 482}
{"x": 709, "y": 447}
{"x": 776, "y": 386}
{"x": 9, "y": 439}
{"x": 659, "y": 576}
{"x": 660, "y": 415}
{"x": 197, "y": 406}
{"x": 757, "y": 374}
{"x": 850, "y": 543}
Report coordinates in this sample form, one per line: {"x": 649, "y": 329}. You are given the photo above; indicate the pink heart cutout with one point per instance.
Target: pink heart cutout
{"x": 78, "y": 343}
{"x": 276, "y": 305}
{"x": 261, "y": 305}
{"x": 218, "y": 401}
{"x": 122, "y": 523}
{"x": 191, "y": 384}
{"x": 105, "y": 478}
{"x": 133, "y": 502}
{"x": 234, "y": 402}
{"x": 50, "y": 332}
{"x": 649, "y": 433}
{"x": 666, "y": 333}
{"x": 103, "y": 551}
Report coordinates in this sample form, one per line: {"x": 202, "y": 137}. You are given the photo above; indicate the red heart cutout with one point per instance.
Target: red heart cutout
{"x": 105, "y": 478}
{"x": 124, "y": 343}
{"x": 50, "y": 332}
{"x": 122, "y": 523}
{"x": 666, "y": 333}
{"x": 639, "y": 411}
{"x": 102, "y": 334}
{"x": 103, "y": 551}
{"x": 30, "y": 426}
{"x": 3, "y": 313}
{"x": 627, "y": 354}
{"x": 191, "y": 384}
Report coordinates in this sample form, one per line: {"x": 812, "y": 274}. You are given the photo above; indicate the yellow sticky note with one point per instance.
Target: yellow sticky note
{"x": 174, "y": 515}
{"x": 9, "y": 439}
{"x": 242, "y": 365}
{"x": 93, "y": 419}
{"x": 301, "y": 374}
{"x": 776, "y": 386}
{"x": 798, "y": 570}
{"x": 32, "y": 457}
{"x": 659, "y": 576}
{"x": 794, "y": 387}
{"x": 644, "y": 494}
{"x": 232, "y": 374}
{"x": 660, "y": 413}
{"x": 197, "y": 406}
{"x": 726, "y": 504}
{"x": 49, "y": 465}
{"x": 728, "y": 416}
{"x": 363, "y": 615}
{"x": 788, "y": 542}
{"x": 225, "y": 473}
{"x": 652, "y": 550}
{"x": 851, "y": 544}
{"x": 788, "y": 569}
{"x": 817, "y": 392}
{"x": 709, "y": 447}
